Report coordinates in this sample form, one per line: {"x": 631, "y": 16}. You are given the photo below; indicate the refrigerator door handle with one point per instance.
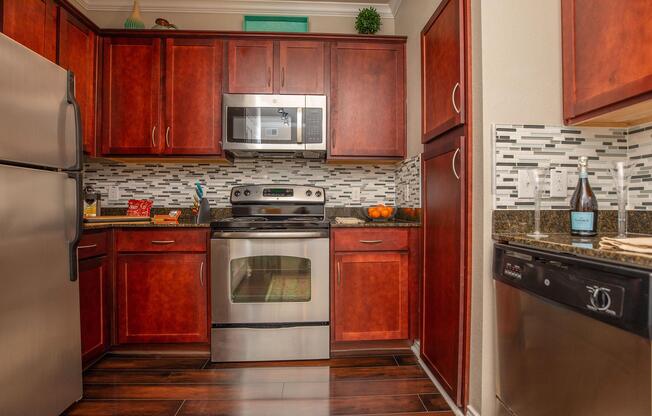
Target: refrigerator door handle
{"x": 79, "y": 220}
{"x": 78, "y": 123}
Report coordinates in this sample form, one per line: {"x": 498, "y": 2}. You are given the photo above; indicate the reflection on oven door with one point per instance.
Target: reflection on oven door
{"x": 270, "y": 280}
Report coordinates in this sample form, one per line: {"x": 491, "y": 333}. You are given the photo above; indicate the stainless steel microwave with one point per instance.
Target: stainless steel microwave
{"x": 274, "y": 125}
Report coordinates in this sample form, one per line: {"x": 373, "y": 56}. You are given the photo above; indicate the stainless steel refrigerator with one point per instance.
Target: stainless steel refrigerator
{"x": 40, "y": 222}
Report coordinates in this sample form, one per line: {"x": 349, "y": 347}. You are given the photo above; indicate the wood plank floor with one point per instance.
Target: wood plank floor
{"x": 193, "y": 386}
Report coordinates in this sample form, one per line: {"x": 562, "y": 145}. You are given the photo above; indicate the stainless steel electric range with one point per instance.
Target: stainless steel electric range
{"x": 270, "y": 276}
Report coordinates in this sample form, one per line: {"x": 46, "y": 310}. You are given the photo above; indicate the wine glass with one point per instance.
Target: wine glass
{"x": 537, "y": 178}
{"x": 620, "y": 173}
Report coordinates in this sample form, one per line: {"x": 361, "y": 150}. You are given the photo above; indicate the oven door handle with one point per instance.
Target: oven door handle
{"x": 270, "y": 234}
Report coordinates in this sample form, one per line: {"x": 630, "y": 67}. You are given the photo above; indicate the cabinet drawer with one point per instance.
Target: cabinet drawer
{"x": 360, "y": 239}
{"x": 161, "y": 240}
{"x": 92, "y": 244}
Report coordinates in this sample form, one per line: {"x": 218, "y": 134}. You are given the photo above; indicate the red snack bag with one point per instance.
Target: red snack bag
{"x": 139, "y": 207}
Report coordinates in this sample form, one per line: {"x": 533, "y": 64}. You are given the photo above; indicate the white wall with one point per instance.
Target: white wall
{"x": 520, "y": 74}
{"x": 228, "y": 21}
{"x": 411, "y": 17}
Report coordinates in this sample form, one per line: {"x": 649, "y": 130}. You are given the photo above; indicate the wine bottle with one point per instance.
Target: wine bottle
{"x": 583, "y": 204}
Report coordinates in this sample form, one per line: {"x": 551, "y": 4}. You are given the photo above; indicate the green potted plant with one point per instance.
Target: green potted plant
{"x": 368, "y": 21}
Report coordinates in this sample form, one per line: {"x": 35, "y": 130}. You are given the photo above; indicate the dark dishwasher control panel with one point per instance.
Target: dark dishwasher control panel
{"x": 617, "y": 295}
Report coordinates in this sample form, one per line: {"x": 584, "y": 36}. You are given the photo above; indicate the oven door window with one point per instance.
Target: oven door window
{"x": 262, "y": 125}
{"x": 270, "y": 279}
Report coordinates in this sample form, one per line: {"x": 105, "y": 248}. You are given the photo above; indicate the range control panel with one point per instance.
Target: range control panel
{"x": 255, "y": 194}
{"x": 615, "y": 294}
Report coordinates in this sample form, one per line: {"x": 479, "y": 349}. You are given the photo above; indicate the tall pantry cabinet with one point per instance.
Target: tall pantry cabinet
{"x": 445, "y": 194}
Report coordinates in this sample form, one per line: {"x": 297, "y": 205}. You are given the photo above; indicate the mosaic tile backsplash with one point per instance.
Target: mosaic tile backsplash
{"x": 171, "y": 185}
{"x": 520, "y": 147}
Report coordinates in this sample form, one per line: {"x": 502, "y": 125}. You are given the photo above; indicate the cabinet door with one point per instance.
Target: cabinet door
{"x": 367, "y": 100}
{"x": 250, "y": 66}
{"x": 94, "y": 310}
{"x": 443, "y": 274}
{"x": 32, "y": 23}
{"x": 301, "y": 67}
{"x": 607, "y": 59}
{"x": 370, "y": 296}
{"x": 131, "y": 96}
{"x": 162, "y": 298}
{"x": 442, "y": 48}
{"x": 193, "y": 96}
{"x": 77, "y": 48}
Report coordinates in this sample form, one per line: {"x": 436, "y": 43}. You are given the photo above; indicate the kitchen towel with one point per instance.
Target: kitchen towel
{"x": 639, "y": 244}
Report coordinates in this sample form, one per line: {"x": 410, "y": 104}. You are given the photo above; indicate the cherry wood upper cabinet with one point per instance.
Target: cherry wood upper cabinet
{"x": 371, "y": 296}
{"x": 443, "y": 70}
{"x": 77, "y": 52}
{"x": 367, "y": 108}
{"x": 94, "y": 307}
{"x": 131, "y": 96}
{"x": 162, "y": 298}
{"x": 607, "y": 59}
{"x": 301, "y": 67}
{"x": 32, "y": 23}
{"x": 444, "y": 278}
{"x": 193, "y": 96}
{"x": 251, "y": 63}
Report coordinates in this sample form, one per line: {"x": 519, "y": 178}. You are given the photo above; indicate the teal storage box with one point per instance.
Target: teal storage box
{"x": 297, "y": 24}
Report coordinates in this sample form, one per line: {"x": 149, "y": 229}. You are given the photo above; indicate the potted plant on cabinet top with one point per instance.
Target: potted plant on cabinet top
{"x": 368, "y": 21}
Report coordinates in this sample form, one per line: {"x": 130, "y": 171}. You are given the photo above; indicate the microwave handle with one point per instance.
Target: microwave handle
{"x": 299, "y": 125}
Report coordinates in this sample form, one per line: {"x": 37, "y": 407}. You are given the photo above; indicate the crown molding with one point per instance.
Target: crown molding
{"x": 394, "y": 6}
{"x": 284, "y": 7}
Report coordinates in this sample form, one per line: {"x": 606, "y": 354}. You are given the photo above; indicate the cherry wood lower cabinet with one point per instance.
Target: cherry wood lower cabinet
{"x": 445, "y": 282}
{"x": 162, "y": 297}
{"x": 371, "y": 279}
{"x": 94, "y": 307}
{"x": 32, "y": 23}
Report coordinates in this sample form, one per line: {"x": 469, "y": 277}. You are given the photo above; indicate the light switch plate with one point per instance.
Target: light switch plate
{"x": 114, "y": 193}
{"x": 525, "y": 185}
{"x": 558, "y": 183}
{"x": 355, "y": 194}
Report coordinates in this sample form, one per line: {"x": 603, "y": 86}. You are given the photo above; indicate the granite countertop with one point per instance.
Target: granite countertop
{"x": 581, "y": 246}
{"x": 107, "y": 225}
{"x": 383, "y": 224}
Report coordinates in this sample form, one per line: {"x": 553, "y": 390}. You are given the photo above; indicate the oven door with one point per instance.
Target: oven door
{"x": 270, "y": 277}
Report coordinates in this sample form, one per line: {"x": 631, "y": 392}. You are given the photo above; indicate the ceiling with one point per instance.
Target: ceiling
{"x": 386, "y": 8}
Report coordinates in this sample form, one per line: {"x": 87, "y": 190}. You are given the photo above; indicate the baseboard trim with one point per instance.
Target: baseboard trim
{"x": 449, "y": 401}
{"x": 470, "y": 411}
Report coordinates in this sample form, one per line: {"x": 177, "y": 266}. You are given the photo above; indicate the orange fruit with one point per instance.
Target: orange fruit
{"x": 374, "y": 213}
{"x": 385, "y": 212}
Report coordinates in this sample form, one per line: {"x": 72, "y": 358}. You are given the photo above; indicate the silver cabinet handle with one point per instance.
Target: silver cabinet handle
{"x": 371, "y": 241}
{"x": 339, "y": 273}
{"x": 153, "y": 132}
{"x": 201, "y": 274}
{"x": 283, "y": 77}
{"x": 85, "y": 247}
{"x": 167, "y": 137}
{"x": 163, "y": 242}
{"x": 457, "y": 109}
{"x": 457, "y": 151}
{"x": 269, "y": 77}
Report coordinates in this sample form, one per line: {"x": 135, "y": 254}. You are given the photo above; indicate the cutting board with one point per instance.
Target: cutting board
{"x": 116, "y": 218}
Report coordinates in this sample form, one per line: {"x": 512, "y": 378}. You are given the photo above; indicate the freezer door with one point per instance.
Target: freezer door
{"x": 39, "y": 124}
{"x": 40, "y": 369}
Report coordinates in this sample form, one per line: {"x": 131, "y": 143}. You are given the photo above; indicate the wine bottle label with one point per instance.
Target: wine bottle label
{"x": 582, "y": 221}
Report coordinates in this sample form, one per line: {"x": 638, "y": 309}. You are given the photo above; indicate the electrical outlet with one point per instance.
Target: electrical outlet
{"x": 355, "y": 194}
{"x": 114, "y": 193}
{"x": 558, "y": 183}
{"x": 525, "y": 185}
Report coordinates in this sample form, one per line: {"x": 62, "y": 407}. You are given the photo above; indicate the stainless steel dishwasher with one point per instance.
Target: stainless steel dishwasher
{"x": 573, "y": 335}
